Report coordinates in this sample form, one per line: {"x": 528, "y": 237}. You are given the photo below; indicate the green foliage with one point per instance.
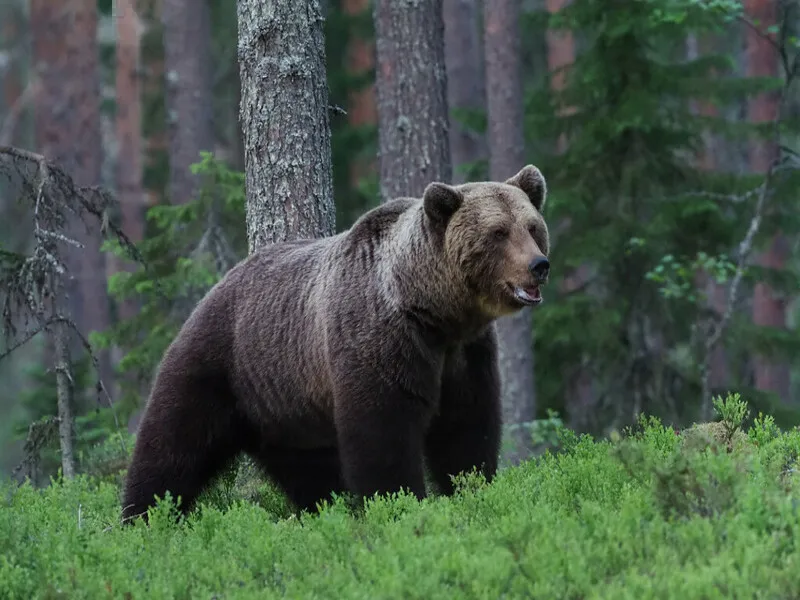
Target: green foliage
{"x": 608, "y": 519}
{"x": 634, "y": 212}
{"x": 733, "y": 411}
{"x": 189, "y": 247}
{"x": 676, "y": 279}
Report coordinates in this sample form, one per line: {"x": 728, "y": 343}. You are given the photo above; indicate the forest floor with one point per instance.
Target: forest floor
{"x": 709, "y": 512}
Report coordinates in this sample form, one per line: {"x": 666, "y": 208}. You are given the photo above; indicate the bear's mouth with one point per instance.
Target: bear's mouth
{"x": 529, "y": 295}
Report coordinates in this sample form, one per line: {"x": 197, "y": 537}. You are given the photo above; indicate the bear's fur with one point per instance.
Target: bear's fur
{"x": 342, "y": 363}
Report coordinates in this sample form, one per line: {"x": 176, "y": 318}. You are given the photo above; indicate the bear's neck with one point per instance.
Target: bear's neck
{"x": 420, "y": 285}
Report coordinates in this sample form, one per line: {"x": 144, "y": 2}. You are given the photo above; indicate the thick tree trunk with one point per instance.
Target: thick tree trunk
{"x": 67, "y": 109}
{"x": 411, "y": 80}
{"x": 466, "y": 89}
{"x": 506, "y": 157}
{"x": 284, "y": 116}
{"x": 769, "y": 308}
{"x": 187, "y": 58}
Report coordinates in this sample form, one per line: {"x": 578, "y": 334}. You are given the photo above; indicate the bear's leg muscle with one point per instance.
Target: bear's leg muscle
{"x": 307, "y": 476}
{"x": 188, "y": 434}
{"x": 466, "y": 433}
{"x": 380, "y": 436}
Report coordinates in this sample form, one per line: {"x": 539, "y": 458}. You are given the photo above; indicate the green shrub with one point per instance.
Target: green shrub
{"x": 643, "y": 515}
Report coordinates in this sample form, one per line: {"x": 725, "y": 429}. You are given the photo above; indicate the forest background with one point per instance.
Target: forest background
{"x": 666, "y": 129}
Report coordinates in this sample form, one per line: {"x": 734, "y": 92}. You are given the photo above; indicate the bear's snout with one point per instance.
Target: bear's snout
{"x": 540, "y": 268}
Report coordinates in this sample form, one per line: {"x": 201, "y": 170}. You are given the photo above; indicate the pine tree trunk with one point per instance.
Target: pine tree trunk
{"x": 411, "y": 81}
{"x": 129, "y": 134}
{"x": 284, "y": 116}
{"x": 187, "y": 60}
{"x": 466, "y": 89}
{"x": 506, "y": 157}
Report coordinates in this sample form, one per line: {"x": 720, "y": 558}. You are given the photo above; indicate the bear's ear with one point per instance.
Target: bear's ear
{"x": 531, "y": 181}
{"x": 441, "y": 201}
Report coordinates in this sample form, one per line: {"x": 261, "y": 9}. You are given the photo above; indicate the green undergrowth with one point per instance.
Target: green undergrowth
{"x": 708, "y": 512}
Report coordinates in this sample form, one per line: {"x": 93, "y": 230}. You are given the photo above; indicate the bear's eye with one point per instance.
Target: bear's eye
{"x": 500, "y": 233}
{"x": 532, "y": 229}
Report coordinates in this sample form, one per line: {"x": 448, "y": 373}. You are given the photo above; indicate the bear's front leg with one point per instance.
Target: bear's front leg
{"x": 466, "y": 432}
{"x": 380, "y": 432}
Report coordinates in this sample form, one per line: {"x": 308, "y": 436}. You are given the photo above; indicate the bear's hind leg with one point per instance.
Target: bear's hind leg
{"x": 307, "y": 476}
{"x": 187, "y": 436}
{"x": 466, "y": 433}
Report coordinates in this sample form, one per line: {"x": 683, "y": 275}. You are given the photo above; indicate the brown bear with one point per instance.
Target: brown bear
{"x": 345, "y": 363}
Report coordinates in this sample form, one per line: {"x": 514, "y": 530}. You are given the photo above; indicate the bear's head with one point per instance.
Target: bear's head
{"x": 494, "y": 238}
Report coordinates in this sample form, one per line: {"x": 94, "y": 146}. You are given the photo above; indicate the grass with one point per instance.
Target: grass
{"x": 710, "y": 513}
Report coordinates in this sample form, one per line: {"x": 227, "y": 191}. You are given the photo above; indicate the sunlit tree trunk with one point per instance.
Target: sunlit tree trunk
{"x": 506, "y": 157}
{"x": 284, "y": 116}
{"x": 411, "y": 82}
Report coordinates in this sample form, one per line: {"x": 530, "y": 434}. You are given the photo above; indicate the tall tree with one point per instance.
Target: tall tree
{"x": 284, "y": 116}
{"x": 67, "y": 112}
{"x": 187, "y": 61}
{"x": 414, "y": 147}
{"x": 580, "y": 399}
{"x": 769, "y": 308}
{"x": 506, "y": 156}
{"x": 466, "y": 90}
{"x": 709, "y": 158}
{"x": 129, "y": 131}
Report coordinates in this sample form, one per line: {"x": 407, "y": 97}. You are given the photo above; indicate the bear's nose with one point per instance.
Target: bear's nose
{"x": 540, "y": 268}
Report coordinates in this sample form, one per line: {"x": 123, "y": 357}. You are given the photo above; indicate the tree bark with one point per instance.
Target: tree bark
{"x": 769, "y": 308}
{"x": 67, "y": 109}
{"x": 466, "y": 87}
{"x": 506, "y": 157}
{"x": 187, "y": 60}
{"x": 284, "y": 116}
{"x": 411, "y": 80}
{"x": 129, "y": 134}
